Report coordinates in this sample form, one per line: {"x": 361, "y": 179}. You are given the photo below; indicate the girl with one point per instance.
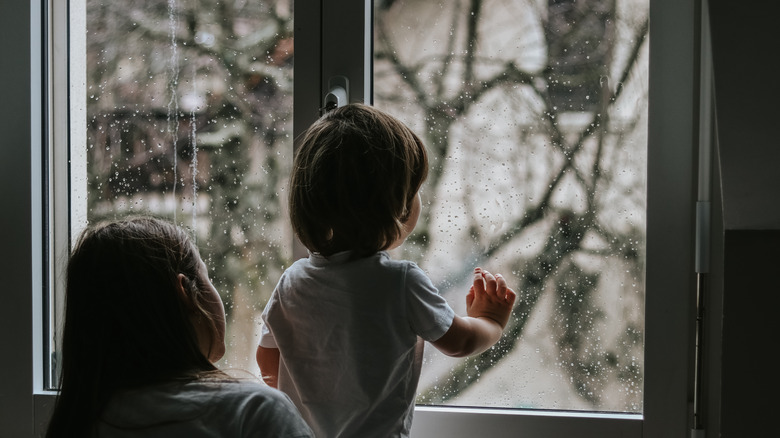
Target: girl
{"x": 341, "y": 330}
{"x": 143, "y": 326}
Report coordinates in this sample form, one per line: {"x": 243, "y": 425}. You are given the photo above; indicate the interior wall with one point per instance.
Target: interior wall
{"x": 749, "y": 385}
{"x": 747, "y": 91}
{"x": 742, "y": 389}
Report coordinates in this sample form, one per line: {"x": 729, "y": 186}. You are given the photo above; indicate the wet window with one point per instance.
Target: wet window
{"x": 189, "y": 117}
{"x": 534, "y": 114}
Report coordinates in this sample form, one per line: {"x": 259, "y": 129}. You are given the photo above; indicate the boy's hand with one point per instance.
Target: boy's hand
{"x": 489, "y": 297}
{"x": 488, "y": 305}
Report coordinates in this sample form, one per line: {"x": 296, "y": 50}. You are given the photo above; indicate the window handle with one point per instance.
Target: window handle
{"x": 337, "y": 95}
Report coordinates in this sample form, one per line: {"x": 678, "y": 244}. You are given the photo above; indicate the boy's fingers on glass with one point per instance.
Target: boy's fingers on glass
{"x": 491, "y": 282}
{"x": 501, "y": 284}
{"x": 479, "y": 282}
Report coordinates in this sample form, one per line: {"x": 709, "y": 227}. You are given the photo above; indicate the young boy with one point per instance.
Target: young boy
{"x": 343, "y": 330}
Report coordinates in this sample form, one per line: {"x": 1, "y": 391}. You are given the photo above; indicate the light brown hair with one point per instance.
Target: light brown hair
{"x": 354, "y": 178}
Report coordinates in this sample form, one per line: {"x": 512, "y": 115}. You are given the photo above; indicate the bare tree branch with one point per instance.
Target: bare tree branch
{"x": 563, "y": 241}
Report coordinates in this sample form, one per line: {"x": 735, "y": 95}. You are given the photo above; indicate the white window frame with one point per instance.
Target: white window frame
{"x": 35, "y": 111}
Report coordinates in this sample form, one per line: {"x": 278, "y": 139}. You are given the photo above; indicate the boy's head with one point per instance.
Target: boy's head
{"x": 354, "y": 180}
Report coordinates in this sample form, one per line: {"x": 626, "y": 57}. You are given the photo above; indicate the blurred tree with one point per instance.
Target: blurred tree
{"x": 190, "y": 115}
{"x": 470, "y": 72}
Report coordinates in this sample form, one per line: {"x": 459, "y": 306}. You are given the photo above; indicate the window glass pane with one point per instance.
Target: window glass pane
{"x": 534, "y": 114}
{"x": 189, "y": 117}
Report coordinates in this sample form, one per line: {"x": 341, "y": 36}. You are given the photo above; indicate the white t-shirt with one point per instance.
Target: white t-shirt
{"x": 202, "y": 409}
{"x": 347, "y": 333}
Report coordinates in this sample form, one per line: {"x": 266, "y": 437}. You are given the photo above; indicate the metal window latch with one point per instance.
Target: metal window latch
{"x": 337, "y": 95}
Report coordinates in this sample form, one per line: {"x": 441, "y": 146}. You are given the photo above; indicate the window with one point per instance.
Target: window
{"x": 664, "y": 405}
{"x": 535, "y": 117}
{"x": 189, "y": 117}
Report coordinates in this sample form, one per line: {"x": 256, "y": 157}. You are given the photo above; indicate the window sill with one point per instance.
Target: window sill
{"x": 434, "y": 421}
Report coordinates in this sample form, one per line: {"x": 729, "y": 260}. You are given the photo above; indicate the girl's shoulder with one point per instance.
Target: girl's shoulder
{"x": 219, "y": 406}
{"x": 236, "y": 395}
{"x": 258, "y": 406}
{"x": 202, "y": 388}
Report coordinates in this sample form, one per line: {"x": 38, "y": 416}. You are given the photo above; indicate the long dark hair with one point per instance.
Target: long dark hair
{"x": 126, "y": 324}
{"x": 354, "y": 179}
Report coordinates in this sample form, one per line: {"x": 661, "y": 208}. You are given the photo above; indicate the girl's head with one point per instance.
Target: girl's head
{"x": 355, "y": 181}
{"x": 139, "y": 309}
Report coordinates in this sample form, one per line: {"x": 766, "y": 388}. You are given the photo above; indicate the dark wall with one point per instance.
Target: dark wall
{"x": 750, "y": 321}
{"x": 747, "y": 82}
{"x": 743, "y": 388}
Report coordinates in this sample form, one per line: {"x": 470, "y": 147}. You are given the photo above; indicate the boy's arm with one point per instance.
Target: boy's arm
{"x": 268, "y": 361}
{"x": 488, "y": 305}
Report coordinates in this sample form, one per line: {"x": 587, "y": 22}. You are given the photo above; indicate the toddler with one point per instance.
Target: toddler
{"x": 343, "y": 330}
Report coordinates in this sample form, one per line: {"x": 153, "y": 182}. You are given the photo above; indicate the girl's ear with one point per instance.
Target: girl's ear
{"x": 181, "y": 289}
